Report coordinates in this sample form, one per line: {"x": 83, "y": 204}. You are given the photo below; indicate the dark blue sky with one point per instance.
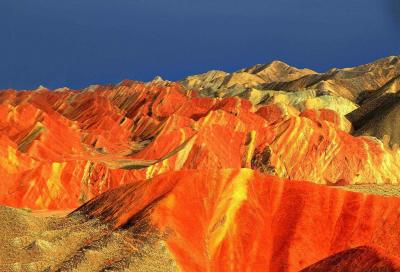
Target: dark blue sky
{"x": 76, "y": 43}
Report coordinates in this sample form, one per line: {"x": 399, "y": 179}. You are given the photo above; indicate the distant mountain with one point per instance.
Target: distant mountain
{"x": 379, "y": 114}
{"x": 373, "y": 87}
{"x": 219, "y": 81}
{"x": 347, "y": 82}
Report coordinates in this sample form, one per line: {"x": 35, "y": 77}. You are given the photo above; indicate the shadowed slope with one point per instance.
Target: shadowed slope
{"x": 379, "y": 114}
{"x": 361, "y": 259}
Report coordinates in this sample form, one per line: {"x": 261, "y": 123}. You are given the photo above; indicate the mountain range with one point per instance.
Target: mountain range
{"x": 269, "y": 168}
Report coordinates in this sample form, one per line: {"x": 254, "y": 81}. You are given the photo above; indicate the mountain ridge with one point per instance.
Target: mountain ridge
{"x": 269, "y": 168}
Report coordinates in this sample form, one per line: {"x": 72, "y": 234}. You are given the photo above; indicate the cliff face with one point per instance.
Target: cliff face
{"x": 231, "y": 171}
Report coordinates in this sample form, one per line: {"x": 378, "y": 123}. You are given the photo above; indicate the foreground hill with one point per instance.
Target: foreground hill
{"x": 208, "y": 220}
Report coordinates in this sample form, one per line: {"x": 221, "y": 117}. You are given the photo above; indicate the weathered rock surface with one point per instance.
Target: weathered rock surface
{"x": 216, "y": 173}
{"x": 378, "y": 115}
{"x": 220, "y": 83}
{"x": 349, "y": 83}
{"x": 61, "y": 148}
{"x": 240, "y": 220}
{"x": 360, "y": 259}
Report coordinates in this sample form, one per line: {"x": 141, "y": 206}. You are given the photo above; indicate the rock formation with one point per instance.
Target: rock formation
{"x": 269, "y": 168}
{"x": 240, "y": 220}
{"x": 62, "y": 148}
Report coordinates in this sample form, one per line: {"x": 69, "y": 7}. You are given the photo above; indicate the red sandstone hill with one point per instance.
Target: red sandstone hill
{"x": 61, "y": 148}
{"x": 240, "y": 220}
{"x": 225, "y": 173}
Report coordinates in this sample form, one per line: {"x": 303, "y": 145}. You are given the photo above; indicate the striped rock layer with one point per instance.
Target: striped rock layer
{"x": 60, "y": 148}
{"x": 227, "y": 170}
{"x": 240, "y": 220}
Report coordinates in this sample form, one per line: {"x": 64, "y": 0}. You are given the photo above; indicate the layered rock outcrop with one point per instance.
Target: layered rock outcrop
{"x": 240, "y": 220}
{"x": 62, "y": 148}
{"x": 243, "y": 171}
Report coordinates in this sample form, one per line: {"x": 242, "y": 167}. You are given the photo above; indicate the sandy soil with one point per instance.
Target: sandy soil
{"x": 49, "y": 241}
{"x": 385, "y": 190}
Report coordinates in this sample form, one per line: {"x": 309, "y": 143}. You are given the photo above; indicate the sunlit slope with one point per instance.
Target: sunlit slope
{"x": 61, "y": 148}
{"x": 240, "y": 220}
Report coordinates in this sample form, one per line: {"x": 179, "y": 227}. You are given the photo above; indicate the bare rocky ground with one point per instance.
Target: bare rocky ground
{"x": 384, "y": 190}
{"x": 47, "y": 242}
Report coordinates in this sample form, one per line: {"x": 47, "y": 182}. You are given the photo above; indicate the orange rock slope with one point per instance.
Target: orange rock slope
{"x": 61, "y": 148}
{"x": 241, "y": 220}
{"x": 227, "y": 184}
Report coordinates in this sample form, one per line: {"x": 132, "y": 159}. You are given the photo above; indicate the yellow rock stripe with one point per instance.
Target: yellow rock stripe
{"x": 231, "y": 200}
{"x": 54, "y": 181}
{"x": 9, "y": 163}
